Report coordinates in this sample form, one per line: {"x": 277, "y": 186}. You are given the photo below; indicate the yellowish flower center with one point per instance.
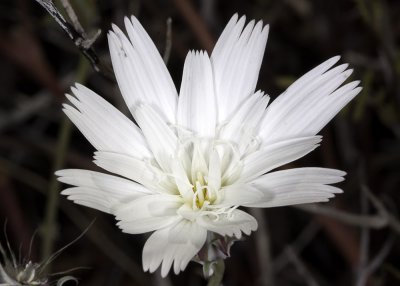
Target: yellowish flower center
{"x": 202, "y": 192}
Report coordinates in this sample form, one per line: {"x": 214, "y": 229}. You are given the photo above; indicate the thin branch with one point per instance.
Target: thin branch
{"x": 196, "y": 23}
{"x": 376, "y": 262}
{"x": 372, "y": 221}
{"x": 364, "y": 240}
{"x": 81, "y": 41}
{"x": 263, "y": 241}
{"x": 301, "y": 268}
{"x": 303, "y": 239}
{"x": 72, "y": 16}
{"x": 30, "y": 106}
{"x": 393, "y": 222}
{"x": 56, "y": 254}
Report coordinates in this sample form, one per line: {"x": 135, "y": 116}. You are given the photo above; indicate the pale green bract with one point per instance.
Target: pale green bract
{"x": 16, "y": 273}
{"x": 193, "y": 160}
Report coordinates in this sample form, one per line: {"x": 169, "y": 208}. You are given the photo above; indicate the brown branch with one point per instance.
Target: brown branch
{"x": 196, "y": 24}
{"x": 301, "y": 267}
{"x": 371, "y": 221}
{"x": 303, "y": 239}
{"x": 262, "y": 239}
{"x": 375, "y": 263}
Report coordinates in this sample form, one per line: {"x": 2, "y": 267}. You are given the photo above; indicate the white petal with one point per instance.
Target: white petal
{"x": 159, "y": 136}
{"x": 106, "y": 128}
{"x": 214, "y": 172}
{"x": 128, "y": 167}
{"x": 148, "y": 213}
{"x": 240, "y": 195}
{"x": 301, "y": 196}
{"x": 309, "y": 103}
{"x": 140, "y": 71}
{"x": 115, "y": 187}
{"x": 329, "y": 108}
{"x": 276, "y": 155}
{"x": 199, "y": 160}
{"x": 302, "y": 175}
{"x": 197, "y": 110}
{"x": 234, "y": 223}
{"x": 182, "y": 181}
{"x": 178, "y": 245}
{"x": 91, "y": 196}
{"x": 97, "y": 190}
{"x": 297, "y": 186}
{"x": 236, "y": 61}
{"x": 243, "y": 126}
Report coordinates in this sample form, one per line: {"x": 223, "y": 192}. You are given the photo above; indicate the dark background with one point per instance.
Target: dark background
{"x": 293, "y": 246}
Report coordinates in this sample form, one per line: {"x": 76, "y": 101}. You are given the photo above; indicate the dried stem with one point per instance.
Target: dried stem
{"x": 72, "y": 16}
{"x": 300, "y": 267}
{"x": 375, "y": 263}
{"x": 168, "y": 41}
{"x": 371, "y": 221}
{"x": 196, "y": 23}
{"x": 76, "y": 33}
{"x": 364, "y": 240}
{"x": 262, "y": 239}
{"x": 303, "y": 239}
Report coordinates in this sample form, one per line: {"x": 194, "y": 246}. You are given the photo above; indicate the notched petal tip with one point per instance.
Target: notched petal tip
{"x": 116, "y": 29}
{"x": 79, "y": 86}
{"x": 334, "y": 60}
{"x": 127, "y": 21}
{"x": 65, "y": 192}
{"x": 266, "y": 28}
{"x": 348, "y": 72}
{"x": 66, "y": 106}
{"x": 242, "y": 19}
{"x": 71, "y": 98}
{"x": 338, "y": 191}
{"x": 63, "y": 172}
{"x": 356, "y": 83}
{"x": 235, "y": 17}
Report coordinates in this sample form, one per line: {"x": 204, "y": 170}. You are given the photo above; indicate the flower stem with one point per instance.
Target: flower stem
{"x": 50, "y": 220}
{"x": 49, "y": 228}
{"x": 219, "y": 269}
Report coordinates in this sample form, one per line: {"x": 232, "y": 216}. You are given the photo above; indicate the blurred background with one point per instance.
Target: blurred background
{"x": 353, "y": 240}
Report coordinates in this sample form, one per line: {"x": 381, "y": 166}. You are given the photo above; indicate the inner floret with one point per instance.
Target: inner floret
{"x": 202, "y": 169}
{"x": 203, "y": 194}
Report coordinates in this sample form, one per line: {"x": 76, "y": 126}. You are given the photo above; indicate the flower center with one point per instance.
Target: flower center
{"x": 201, "y": 169}
{"x": 202, "y": 193}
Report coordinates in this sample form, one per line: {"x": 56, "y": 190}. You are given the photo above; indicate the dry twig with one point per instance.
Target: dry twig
{"x": 76, "y": 33}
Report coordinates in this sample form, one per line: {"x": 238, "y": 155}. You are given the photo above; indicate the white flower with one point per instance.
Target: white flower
{"x": 195, "y": 158}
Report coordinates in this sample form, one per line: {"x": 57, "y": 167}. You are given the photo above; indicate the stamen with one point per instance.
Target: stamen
{"x": 199, "y": 194}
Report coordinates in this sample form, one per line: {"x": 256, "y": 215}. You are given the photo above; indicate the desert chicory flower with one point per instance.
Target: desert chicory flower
{"x": 193, "y": 159}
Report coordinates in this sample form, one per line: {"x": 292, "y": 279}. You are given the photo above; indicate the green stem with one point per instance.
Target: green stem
{"x": 218, "y": 275}
{"x": 49, "y": 228}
